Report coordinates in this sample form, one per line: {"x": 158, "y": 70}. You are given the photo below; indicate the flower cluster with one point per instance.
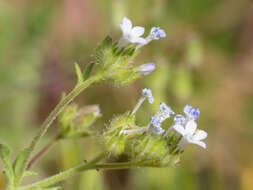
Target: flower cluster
{"x": 114, "y": 59}
{"x": 163, "y": 113}
{"x": 154, "y": 141}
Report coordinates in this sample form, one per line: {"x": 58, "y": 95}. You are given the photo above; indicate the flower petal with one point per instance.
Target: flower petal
{"x": 126, "y": 26}
{"x": 138, "y": 40}
{"x": 180, "y": 129}
{"x": 192, "y": 141}
{"x": 137, "y": 31}
{"x": 200, "y": 143}
{"x": 190, "y": 127}
{"x": 200, "y": 135}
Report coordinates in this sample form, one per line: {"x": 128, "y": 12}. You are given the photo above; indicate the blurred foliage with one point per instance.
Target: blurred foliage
{"x": 206, "y": 61}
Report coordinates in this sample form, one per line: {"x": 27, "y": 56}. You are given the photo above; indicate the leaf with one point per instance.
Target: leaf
{"x": 78, "y": 73}
{"x": 88, "y": 70}
{"x": 5, "y": 156}
{"x": 4, "y": 152}
{"x": 30, "y": 174}
{"x": 19, "y": 161}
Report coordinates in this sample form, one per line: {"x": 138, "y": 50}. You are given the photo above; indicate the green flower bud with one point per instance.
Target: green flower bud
{"x": 75, "y": 122}
{"x": 170, "y": 159}
{"x": 114, "y": 140}
{"x": 150, "y": 147}
{"x": 124, "y": 136}
{"x": 115, "y": 63}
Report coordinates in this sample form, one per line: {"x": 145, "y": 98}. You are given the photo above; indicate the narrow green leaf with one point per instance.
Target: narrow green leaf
{"x": 30, "y": 174}
{"x": 4, "y": 152}
{"x": 19, "y": 161}
{"x": 88, "y": 70}
{"x": 78, "y": 73}
{"x": 5, "y": 156}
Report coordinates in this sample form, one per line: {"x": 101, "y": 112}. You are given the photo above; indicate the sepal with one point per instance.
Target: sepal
{"x": 116, "y": 62}
{"x": 75, "y": 123}
{"x": 4, "y": 152}
{"x": 17, "y": 164}
{"x": 5, "y": 156}
{"x": 78, "y": 74}
{"x": 114, "y": 140}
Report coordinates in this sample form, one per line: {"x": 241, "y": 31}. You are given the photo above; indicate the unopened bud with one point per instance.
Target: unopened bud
{"x": 146, "y": 69}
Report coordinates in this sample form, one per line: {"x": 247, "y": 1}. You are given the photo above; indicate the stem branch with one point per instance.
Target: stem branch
{"x": 46, "y": 124}
{"x": 42, "y": 152}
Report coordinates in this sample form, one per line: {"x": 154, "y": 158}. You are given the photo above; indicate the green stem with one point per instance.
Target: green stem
{"x": 46, "y": 124}
{"x": 81, "y": 168}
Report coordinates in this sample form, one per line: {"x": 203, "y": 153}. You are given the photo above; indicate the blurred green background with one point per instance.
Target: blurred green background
{"x": 206, "y": 60}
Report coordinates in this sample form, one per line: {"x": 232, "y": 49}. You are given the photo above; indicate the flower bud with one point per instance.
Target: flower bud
{"x": 146, "y": 69}
{"x": 170, "y": 159}
{"x": 150, "y": 148}
{"x": 147, "y": 93}
{"x": 74, "y": 122}
{"x": 114, "y": 140}
{"x": 191, "y": 112}
{"x": 115, "y": 63}
{"x": 156, "y": 33}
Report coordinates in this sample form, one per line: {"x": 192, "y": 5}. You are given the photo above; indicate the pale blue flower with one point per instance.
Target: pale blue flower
{"x": 191, "y": 112}
{"x": 179, "y": 119}
{"x": 147, "y": 93}
{"x": 156, "y": 125}
{"x": 146, "y": 69}
{"x": 164, "y": 112}
{"x": 156, "y": 33}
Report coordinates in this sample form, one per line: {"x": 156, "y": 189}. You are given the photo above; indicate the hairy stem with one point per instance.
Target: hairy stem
{"x": 46, "y": 124}
{"x": 81, "y": 168}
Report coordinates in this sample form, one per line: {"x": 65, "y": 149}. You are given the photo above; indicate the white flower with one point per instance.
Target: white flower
{"x": 131, "y": 34}
{"x": 190, "y": 134}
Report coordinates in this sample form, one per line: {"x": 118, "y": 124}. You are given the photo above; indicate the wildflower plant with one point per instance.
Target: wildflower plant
{"x": 153, "y": 145}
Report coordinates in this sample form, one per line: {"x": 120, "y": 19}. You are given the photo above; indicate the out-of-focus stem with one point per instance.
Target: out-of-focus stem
{"x": 46, "y": 124}
{"x": 141, "y": 100}
{"x": 42, "y": 152}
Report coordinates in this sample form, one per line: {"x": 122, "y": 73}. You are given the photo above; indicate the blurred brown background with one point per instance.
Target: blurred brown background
{"x": 206, "y": 60}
